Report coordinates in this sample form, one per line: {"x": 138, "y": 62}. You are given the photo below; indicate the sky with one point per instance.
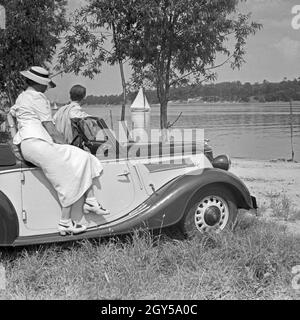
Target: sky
{"x": 272, "y": 54}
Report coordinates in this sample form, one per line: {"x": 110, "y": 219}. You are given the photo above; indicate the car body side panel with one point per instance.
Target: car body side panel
{"x": 167, "y": 205}
{"x": 164, "y": 208}
{"x": 119, "y": 190}
{"x": 156, "y": 172}
{"x": 40, "y": 203}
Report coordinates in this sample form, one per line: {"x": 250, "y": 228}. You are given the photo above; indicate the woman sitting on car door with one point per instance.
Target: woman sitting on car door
{"x": 70, "y": 170}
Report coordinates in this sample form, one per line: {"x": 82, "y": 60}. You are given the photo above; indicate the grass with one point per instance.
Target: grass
{"x": 283, "y": 208}
{"x": 250, "y": 263}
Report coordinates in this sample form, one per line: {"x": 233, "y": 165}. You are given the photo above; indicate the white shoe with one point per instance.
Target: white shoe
{"x": 94, "y": 208}
{"x": 70, "y": 228}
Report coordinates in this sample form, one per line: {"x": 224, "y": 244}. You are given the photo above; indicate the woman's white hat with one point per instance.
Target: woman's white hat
{"x": 39, "y": 75}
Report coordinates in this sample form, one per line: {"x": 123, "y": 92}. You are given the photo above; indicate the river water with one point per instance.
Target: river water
{"x": 252, "y": 131}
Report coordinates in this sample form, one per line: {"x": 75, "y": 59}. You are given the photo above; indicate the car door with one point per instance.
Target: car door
{"x": 115, "y": 190}
{"x": 116, "y": 187}
{"x": 118, "y": 190}
{"x": 41, "y": 208}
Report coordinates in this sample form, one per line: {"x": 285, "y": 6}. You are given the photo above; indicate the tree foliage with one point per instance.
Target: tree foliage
{"x": 30, "y": 38}
{"x": 96, "y": 36}
{"x": 176, "y": 42}
{"x": 168, "y": 42}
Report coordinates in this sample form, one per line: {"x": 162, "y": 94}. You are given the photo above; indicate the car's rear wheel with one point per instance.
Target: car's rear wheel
{"x": 212, "y": 209}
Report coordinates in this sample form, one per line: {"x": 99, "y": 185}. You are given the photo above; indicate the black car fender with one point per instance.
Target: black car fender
{"x": 9, "y": 223}
{"x": 168, "y": 205}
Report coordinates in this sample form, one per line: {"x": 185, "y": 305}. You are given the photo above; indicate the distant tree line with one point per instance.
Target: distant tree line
{"x": 285, "y": 90}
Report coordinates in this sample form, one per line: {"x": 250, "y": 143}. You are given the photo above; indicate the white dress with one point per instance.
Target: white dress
{"x": 69, "y": 169}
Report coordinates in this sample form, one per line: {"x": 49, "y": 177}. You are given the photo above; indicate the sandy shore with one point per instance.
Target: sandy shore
{"x": 276, "y": 186}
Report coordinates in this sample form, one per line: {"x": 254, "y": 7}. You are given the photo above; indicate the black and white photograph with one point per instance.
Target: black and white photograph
{"x": 149, "y": 153}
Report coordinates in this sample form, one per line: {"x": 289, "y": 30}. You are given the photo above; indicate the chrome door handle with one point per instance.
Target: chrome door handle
{"x": 125, "y": 174}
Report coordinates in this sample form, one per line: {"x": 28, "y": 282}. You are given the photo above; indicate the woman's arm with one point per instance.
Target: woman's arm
{"x": 55, "y": 135}
{"x": 41, "y": 106}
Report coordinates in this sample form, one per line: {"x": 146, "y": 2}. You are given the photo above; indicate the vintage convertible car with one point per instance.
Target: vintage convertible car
{"x": 196, "y": 193}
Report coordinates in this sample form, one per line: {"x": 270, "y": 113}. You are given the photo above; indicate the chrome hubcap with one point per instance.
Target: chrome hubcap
{"x": 211, "y": 214}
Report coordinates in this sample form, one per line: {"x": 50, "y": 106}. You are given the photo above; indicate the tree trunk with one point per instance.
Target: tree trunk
{"x": 292, "y": 130}
{"x": 10, "y": 97}
{"x": 124, "y": 89}
{"x": 164, "y": 114}
{"x": 162, "y": 95}
{"x": 163, "y": 91}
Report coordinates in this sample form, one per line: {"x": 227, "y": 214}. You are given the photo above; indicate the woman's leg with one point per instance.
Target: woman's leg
{"x": 91, "y": 204}
{"x": 66, "y": 213}
{"x": 90, "y": 193}
{"x": 66, "y": 225}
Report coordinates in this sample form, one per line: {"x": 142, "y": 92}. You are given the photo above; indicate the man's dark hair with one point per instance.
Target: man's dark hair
{"x": 77, "y": 93}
